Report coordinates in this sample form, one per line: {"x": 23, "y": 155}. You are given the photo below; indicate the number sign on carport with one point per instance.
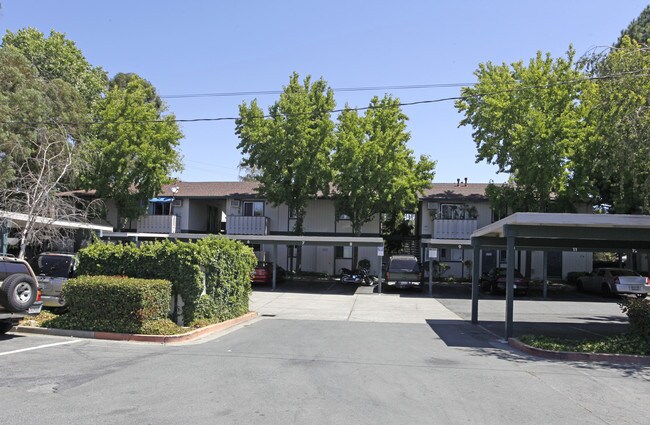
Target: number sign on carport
{"x": 552, "y": 232}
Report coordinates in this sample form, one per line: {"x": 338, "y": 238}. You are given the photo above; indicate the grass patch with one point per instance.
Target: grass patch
{"x": 619, "y": 344}
{"x": 48, "y": 319}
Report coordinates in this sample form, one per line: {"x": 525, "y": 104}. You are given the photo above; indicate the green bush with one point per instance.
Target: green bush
{"x": 216, "y": 267}
{"x": 572, "y": 277}
{"x": 113, "y": 304}
{"x": 638, "y": 313}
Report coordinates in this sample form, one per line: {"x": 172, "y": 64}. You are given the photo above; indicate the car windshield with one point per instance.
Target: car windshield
{"x": 405, "y": 265}
{"x": 53, "y": 265}
{"x": 623, "y": 272}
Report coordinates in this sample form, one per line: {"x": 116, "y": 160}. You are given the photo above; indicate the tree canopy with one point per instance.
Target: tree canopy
{"x": 56, "y": 57}
{"x": 616, "y": 157}
{"x": 36, "y": 145}
{"x": 374, "y": 171}
{"x": 530, "y": 122}
{"x": 291, "y": 147}
{"x": 135, "y": 146}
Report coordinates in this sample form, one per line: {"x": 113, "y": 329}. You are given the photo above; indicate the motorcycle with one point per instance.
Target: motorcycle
{"x": 358, "y": 276}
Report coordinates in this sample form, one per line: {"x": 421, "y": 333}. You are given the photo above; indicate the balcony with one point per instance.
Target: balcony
{"x": 243, "y": 225}
{"x": 157, "y": 224}
{"x": 454, "y": 229}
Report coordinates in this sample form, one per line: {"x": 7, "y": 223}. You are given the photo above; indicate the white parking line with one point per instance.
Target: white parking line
{"x": 38, "y": 347}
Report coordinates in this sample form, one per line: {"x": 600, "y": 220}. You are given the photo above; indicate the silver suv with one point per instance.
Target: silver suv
{"x": 19, "y": 292}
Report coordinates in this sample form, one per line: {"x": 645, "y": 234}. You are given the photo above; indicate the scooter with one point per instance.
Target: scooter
{"x": 357, "y": 277}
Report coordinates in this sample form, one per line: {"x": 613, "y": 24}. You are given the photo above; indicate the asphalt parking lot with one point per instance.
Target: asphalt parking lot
{"x": 564, "y": 312}
{"x": 326, "y": 353}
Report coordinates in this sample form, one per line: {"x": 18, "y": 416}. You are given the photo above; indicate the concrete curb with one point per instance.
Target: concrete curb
{"x": 157, "y": 339}
{"x": 579, "y": 357}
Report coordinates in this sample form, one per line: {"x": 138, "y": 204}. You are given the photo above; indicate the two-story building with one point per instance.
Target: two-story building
{"x": 187, "y": 210}
{"x": 448, "y": 215}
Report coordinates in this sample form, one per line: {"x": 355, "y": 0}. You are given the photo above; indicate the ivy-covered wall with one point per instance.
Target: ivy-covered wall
{"x": 212, "y": 275}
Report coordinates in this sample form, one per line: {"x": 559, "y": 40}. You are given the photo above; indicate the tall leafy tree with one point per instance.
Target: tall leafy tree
{"x": 529, "y": 120}
{"x": 374, "y": 170}
{"x": 134, "y": 151}
{"x": 291, "y": 147}
{"x": 36, "y": 147}
{"x": 56, "y": 57}
{"x": 616, "y": 159}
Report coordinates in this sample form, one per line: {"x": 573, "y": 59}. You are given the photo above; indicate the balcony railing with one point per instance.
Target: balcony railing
{"x": 242, "y": 225}
{"x": 453, "y": 229}
{"x": 157, "y": 224}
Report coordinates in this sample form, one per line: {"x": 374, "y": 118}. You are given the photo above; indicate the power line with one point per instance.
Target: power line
{"x": 363, "y": 108}
{"x": 341, "y": 89}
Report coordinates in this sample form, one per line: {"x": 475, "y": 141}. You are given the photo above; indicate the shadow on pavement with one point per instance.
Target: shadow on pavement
{"x": 295, "y": 286}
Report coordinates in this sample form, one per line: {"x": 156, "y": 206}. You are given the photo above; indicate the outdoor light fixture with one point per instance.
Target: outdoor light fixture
{"x": 174, "y": 190}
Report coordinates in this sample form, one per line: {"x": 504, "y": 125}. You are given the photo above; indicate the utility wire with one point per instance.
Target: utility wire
{"x": 363, "y": 108}
{"x": 342, "y": 89}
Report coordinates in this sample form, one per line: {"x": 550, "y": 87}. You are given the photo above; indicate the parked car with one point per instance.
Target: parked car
{"x": 403, "y": 271}
{"x": 264, "y": 273}
{"x": 19, "y": 292}
{"x": 52, "y": 270}
{"x": 494, "y": 281}
{"x": 613, "y": 281}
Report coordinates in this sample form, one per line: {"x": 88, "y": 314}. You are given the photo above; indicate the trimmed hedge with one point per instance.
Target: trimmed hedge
{"x": 212, "y": 275}
{"x": 114, "y": 304}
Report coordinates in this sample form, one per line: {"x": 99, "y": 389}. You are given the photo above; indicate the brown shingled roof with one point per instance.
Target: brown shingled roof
{"x": 236, "y": 189}
{"x": 212, "y": 189}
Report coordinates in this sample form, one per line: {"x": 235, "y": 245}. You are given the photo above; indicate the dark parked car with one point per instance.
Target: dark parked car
{"x": 403, "y": 271}
{"x": 52, "y": 270}
{"x": 495, "y": 281}
{"x": 264, "y": 273}
{"x": 19, "y": 292}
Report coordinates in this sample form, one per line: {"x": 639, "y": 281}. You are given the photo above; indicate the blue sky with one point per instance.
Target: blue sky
{"x": 239, "y": 46}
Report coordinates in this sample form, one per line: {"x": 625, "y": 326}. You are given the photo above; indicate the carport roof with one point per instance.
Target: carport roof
{"x": 265, "y": 239}
{"x": 559, "y": 231}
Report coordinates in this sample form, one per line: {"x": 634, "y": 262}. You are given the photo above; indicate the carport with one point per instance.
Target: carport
{"x": 548, "y": 231}
{"x": 275, "y": 240}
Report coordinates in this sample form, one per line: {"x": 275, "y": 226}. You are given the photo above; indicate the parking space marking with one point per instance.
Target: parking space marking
{"x": 38, "y": 347}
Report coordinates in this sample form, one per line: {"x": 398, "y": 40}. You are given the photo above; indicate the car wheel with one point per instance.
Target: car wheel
{"x": 606, "y": 290}
{"x": 5, "y": 326}
{"x": 18, "y": 292}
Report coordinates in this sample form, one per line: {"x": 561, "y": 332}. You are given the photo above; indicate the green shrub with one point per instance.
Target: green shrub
{"x": 638, "y": 313}
{"x": 572, "y": 277}
{"x": 217, "y": 267}
{"x": 113, "y": 304}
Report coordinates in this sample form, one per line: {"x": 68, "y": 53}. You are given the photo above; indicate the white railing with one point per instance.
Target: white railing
{"x": 157, "y": 224}
{"x": 454, "y": 229}
{"x": 242, "y": 225}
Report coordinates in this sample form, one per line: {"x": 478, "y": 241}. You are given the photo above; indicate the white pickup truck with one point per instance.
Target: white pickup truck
{"x": 19, "y": 292}
{"x": 614, "y": 281}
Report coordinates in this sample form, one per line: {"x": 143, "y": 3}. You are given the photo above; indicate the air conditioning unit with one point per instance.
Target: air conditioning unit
{"x": 234, "y": 203}
{"x": 177, "y": 203}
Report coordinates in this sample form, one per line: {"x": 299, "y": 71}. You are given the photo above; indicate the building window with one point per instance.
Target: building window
{"x": 343, "y": 252}
{"x": 159, "y": 207}
{"x": 452, "y": 212}
{"x": 292, "y": 214}
{"x": 254, "y": 209}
